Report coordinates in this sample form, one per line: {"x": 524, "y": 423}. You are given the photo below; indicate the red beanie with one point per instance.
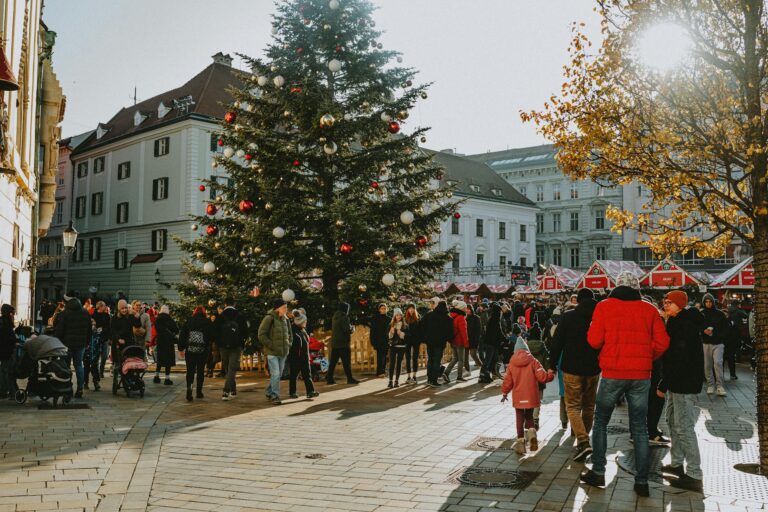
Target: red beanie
{"x": 678, "y": 297}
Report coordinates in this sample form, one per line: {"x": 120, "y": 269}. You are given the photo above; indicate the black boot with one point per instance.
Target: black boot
{"x": 189, "y": 394}
{"x": 200, "y": 393}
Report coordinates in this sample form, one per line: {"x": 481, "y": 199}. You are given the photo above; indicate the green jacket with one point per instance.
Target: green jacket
{"x": 341, "y": 335}
{"x": 539, "y": 351}
{"x": 275, "y": 334}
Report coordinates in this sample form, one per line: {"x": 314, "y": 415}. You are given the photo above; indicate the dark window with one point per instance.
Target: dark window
{"x": 94, "y": 249}
{"x": 97, "y": 203}
{"x": 574, "y": 221}
{"x": 502, "y": 230}
{"x": 557, "y": 257}
{"x": 122, "y": 213}
{"x": 479, "y": 227}
{"x": 574, "y": 257}
{"x": 523, "y": 262}
{"x": 159, "y": 239}
{"x": 124, "y": 171}
{"x": 80, "y": 207}
{"x": 79, "y": 250}
{"x": 98, "y": 165}
{"x": 454, "y": 226}
{"x": 82, "y": 169}
{"x": 162, "y": 146}
{"x": 539, "y": 222}
{"x": 456, "y": 261}
{"x": 16, "y": 241}
{"x": 556, "y": 222}
{"x": 121, "y": 259}
{"x": 215, "y": 148}
{"x": 599, "y": 219}
{"x": 600, "y": 253}
{"x": 160, "y": 189}
{"x": 523, "y": 233}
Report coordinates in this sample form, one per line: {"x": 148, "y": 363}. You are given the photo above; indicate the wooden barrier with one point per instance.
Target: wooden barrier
{"x": 363, "y": 354}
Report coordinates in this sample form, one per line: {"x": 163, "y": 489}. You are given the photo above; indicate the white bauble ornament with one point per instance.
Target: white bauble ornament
{"x": 278, "y": 232}
{"x": 279, "y": 81}
{"x": 406, "y": 217}
{"x": 388, "y": 279}
{"x": 194, "y": 227}
{"x": 424, "y": 255}
{"x": 252, "y": 145}
{"x": 214, "y": 164}
{"x": 288, "y": 295}
{"x": 347, "y": 117}
{"x": 262, "y": 81}
{"x": 209, "y": 267}
{"x": 334, "y": 65}
{"x": 334, "y": 4}
{"x": 274, "y": 31}
{"x": 240, "y": 153}
{"x": 228, "y": 152}
{"x": 330, "y": 148}
{"x": 273, "y": 68}
{"x": 386, "y": 117}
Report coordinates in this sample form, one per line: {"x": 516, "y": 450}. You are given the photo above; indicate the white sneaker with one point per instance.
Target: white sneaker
{"x": 225, "y": 397}
{"x": 721, "y": 391}
{"x": 710, "y": 390}
{"x": 520, "y": 446}
{"x": 533, "y": 441}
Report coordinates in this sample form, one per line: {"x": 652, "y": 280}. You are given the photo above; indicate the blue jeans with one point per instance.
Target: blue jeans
{"x": 276, "y": 366}
{"x": 608, "y": 392}
{"x": 76, "y": 356}
{"x": 681, "y": 418}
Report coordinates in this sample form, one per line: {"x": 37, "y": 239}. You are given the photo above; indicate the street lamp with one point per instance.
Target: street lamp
{"x": 70, "y": 238}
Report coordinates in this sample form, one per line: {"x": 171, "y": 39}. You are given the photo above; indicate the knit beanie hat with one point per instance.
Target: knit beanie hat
{"x": 584, "y": 294}
{"x": 459, "y": 304}
{"x": 299, "y": 318}
{"x": 520, "y": 344}
{"x": 276, "y": 303}
{"x": 679, "y": 297}
{"x": 628, "y": 279}
{"x": 397, "y": 311}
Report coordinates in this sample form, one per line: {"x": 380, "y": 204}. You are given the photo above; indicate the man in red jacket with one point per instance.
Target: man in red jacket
{"x": 630, "y": 335}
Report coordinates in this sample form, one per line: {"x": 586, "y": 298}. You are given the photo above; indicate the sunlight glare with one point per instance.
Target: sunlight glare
{"x": 663, "y": 46}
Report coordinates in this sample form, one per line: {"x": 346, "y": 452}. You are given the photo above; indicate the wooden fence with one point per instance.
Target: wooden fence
{"x": 363, "y": 354}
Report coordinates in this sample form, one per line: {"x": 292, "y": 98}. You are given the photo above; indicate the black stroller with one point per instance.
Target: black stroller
{"x": 44, "y": 362}
{"x": 129, "y": 369}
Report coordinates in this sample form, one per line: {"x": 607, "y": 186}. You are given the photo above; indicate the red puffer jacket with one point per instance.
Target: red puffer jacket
{"x": 629, "y": 333}
{"x": 460, "y": 336}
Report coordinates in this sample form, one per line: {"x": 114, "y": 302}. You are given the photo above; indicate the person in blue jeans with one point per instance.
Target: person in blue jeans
{"x": 630, "y": 334}
{"x": 275, "y": 334}
{"x": 73, "y": 328}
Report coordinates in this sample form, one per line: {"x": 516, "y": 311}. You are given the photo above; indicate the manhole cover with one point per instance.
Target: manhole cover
{"x": 617, "y": 429}
{"x": 717, "y": 463}
{"x": 488, "y": 478}
{"x": 62, "y": 407}
{"x": 492, "y": 444}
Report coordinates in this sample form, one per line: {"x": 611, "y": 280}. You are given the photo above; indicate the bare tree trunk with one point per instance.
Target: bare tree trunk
{"x": 760, "y": 263}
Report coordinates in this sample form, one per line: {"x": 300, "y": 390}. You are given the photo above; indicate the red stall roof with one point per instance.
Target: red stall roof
{"x": 603, "y": 273}
{"x": 668, "y": 275}
{"x": 740, "y": 277}
{"x": 558, "y": 278}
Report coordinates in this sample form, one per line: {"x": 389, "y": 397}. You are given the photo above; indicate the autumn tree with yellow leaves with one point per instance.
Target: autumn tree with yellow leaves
{"x": 695, "y": 135}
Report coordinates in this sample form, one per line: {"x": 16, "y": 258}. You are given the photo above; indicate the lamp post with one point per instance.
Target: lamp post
{"x": 69, "y": 236}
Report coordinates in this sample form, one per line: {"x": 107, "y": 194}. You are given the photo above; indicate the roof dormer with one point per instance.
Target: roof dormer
{"x": 162, "y": 110}
{"x": 138, "y": 117}
{"x": 101, "y": 130}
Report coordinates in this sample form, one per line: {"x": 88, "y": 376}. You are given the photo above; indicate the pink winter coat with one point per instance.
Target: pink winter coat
{"x": 523, "y": 375}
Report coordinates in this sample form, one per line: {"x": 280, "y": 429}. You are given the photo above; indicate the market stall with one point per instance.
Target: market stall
{"x": 737, "y": 283}
{"x": 668, "y": 275}
{"x": 558, "y": 279}
{"x": 602, "y": 274}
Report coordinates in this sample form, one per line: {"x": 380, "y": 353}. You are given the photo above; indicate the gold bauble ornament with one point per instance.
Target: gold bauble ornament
{"x": 363, "y": 288}
{"x": 339, "y": 223}
{"x": 217, "y": 245}
{"x": 327, "y": 121}
{"x": 402, "y": 115}
{"x": 268, "y": 206}
{"x": 211, "y": 303}
{"x": 379, "y": 253}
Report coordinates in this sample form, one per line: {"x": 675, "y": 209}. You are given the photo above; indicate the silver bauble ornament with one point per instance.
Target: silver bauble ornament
{"x": 334, "y": 65}
{"x": 330, "y": 148}
{"x": 209, "y": 267}
{"x": 228, "y": 152}
{"x": 278, "y": 232}
{"x": 406, "y": 217}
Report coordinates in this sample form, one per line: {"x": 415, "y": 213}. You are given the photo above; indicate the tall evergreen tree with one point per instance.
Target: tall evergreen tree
{"x": 326, "y": 181}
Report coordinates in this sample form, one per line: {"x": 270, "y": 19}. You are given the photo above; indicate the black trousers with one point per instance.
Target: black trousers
{"x": 196, "y": 368}
{"x": 396, "y": 361}
{"x": 345, "y": 354}
{"x": 167, "y": 369}
{"x": 300, "y": 365}
{"x": 434, "y": 361}
{"x": 381, "y": 360}
{"x": 655, "y": 408}
{"x": 412, "y": 357}
{"x": 729, "y": 357}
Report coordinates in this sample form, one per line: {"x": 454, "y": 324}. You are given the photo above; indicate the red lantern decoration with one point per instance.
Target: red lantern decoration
{"x": 296, "y": 163}
{"x": 394, "y": 127}
{"x": 246, "y": 206}
{"x": 296, "y": 90}
{"x": 457, "y": 215}
{"x": 202, "y": 188}
{"x": 375, "y": 184}
{"x": 212, "y": 230}
{"x": 220, "y": 142}
{"x": 248, "y": 156}
{"x": 345, "y": 248}
{"x": 421, "y": 240}
{"x": 211, "y": 209}
{"x": 230, "y": 117}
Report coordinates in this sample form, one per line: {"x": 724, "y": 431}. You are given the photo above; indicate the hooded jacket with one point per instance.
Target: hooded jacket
{"x": 629, "y": 334}
{"x": 198, "y": 323}
{"x": 460, "y": 334}
{"x": 523, "y": 376}
{"x": 230, "y": 315}
{"x": 683, "y": 362}
{"x": 717, "y": 320}
{"x": 437, "y": 326}
{"x": 167, "y": 337}
{"x": 341, "y": 335}
{"x": 73, "y": 325}
{"x": 275, "y": 334}
{"x": 570, "y": 341}
{"x": 380, "y": 331}
{"x": 474, "y": 330}
{"x": 494, "y": 336}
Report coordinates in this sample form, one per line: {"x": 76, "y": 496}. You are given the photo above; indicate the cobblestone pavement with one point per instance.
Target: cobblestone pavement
{"x": 358, "y": 448}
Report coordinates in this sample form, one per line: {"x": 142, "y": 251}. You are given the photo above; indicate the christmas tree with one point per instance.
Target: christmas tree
{"x": 328, "y": 186}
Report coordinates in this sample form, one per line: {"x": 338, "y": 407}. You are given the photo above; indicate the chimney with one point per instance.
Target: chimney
{"x": 220, "y": 58}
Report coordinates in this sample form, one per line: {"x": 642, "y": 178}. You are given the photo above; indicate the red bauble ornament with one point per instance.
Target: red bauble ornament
{"x": 394, "y": 127}
{"x": 220, "y": 142}
{"x": 296, "y": 163}
{"x": 345, "y": 248}
{"x": 421, "y": 240}
{"x": 248, "y": 156}
{"x": 230, "y": 117}
{"x": 202, "y": 188}
{"x": 296, "y": 90}
{"x": 246, "y": 206}
{"x": 339, "y": 49}
{"x": 211, "y": 209}
{"x": 374, "y": 184}
{"x": 212, "y": 230}
{"x": 457, "y": 215}
{"x": 299, "y": 50}
{"x": 363, "y": 303}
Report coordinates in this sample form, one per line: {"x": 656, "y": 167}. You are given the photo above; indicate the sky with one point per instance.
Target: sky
{"x": 488, "y": 59}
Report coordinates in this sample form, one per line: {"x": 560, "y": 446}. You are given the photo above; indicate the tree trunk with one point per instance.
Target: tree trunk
{"x": 760, "y": 264}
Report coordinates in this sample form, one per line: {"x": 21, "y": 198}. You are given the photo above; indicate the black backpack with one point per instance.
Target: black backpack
{"x": 230, "y": 333}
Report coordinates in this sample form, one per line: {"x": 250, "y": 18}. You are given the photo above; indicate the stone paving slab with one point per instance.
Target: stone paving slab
{"x": 356, "y": 448}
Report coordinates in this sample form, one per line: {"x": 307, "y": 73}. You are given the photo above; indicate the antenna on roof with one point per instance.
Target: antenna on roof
{"x": 134, "y": 95}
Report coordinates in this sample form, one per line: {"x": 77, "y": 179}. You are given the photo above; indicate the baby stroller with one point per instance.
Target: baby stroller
{"x": 44, "y": 362}
{"x": 128, "y": 372}
{"x": 318, "y": 363}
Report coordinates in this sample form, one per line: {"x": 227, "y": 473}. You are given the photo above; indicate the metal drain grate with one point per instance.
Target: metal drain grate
{"x": 492, "y": 444}
{"x": 717, "y": 461}
{"x": 62, "y": 407}
{"x": 489, "y": 478}
{"x": 617, "y": 429}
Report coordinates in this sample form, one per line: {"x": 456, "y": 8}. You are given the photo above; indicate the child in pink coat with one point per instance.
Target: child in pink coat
{"x": 522, "y": 378}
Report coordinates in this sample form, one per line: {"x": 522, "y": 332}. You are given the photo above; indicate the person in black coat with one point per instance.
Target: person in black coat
{"x": 167, "y": 337}
{"x": 716, "y": 332}
{"x": 682, "y": 377}
{"x": 195, "y": 342}
{"x": 101, "y": 337}
{"x": 379, "y": 338}
{"x": 494, "y": 338}
{"x": 437, "y": 329}
{"x": 298, "y": 356}
{"x": 7, "y": 346}
{"x": 474, "y": 332}
{"x": 580, "y": 368}
{"x": 73, "y": 328}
